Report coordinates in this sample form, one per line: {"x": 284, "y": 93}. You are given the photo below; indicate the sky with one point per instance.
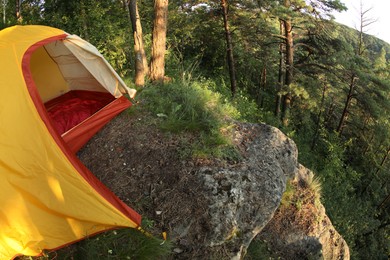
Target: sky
{"x": 380, "y": 12}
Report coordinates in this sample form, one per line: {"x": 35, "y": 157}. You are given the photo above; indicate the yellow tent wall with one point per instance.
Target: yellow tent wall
{"x": 46, "y": 75}
{"x": 48, "y": 198}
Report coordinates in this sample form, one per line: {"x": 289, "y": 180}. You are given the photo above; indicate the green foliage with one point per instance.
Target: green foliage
{"x": 124, "y": 244}
{"x": 350, "y": 214}
{"x": 188, "y": 38}
{"x": 247, "y": 107}
{"x": 185, "y": 107}
{"x": 315, "y": 185}
{"x": 193, "y": 107}
{"x": 259, "y": 250}
{"x": 288, "y": 194}
{"x": 198, "y": 99}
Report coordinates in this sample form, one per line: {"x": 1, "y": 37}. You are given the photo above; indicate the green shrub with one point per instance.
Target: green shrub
{"x": 193, "y": 107}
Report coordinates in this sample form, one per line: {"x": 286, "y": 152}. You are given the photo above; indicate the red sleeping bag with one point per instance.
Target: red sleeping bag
{"x": 74, "y": 107}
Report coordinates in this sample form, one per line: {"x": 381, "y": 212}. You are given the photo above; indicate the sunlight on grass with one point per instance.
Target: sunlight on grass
{"x": 197, "y": 109}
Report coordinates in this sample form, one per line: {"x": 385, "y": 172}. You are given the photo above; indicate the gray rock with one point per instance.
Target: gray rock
{"x": 243, "y": 197}
{"x": 305, "y": 232}
{"x": 211, "y": 209}
{"x": 333, "y": 246}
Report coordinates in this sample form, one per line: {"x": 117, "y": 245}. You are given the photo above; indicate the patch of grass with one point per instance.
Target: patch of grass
{"x": 288, "y": 194}
{"x": 184, "y": 107}
{"x": 298, "y": 204}
{"x": 298, "y": 195}
{"x": 126, "y": 243}
{"x": 314, "y": 184}
{"x": 193, "y": 107}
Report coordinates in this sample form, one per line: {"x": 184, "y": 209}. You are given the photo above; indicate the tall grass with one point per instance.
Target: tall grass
{"x": 187, "y": 107}
{"x": 193, "y": 107}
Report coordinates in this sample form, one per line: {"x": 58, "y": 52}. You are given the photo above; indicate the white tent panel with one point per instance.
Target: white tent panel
{"x": 95, "y": 63}
{"x": 73, "y": 71}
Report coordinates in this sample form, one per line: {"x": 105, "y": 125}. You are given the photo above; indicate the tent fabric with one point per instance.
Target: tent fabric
{"x": 70, "y": 109}
{"x": 68, "y": 74}
{"x": 80, "y": 134}
{"x": 48, "y": 197}
{"x": 90, "y": 57}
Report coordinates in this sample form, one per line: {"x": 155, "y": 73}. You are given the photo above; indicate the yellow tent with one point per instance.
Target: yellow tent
{"x": 48, "y": 197}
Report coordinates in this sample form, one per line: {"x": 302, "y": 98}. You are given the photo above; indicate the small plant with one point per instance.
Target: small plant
{"x": 298, "y": 204}
{"x": 288, "y": 195}
{"x": 258, "y": 249}
{"x": 316, "y": 187}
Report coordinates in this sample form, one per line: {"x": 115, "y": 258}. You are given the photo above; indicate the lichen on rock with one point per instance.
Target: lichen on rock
{"x": 244, "y": 196}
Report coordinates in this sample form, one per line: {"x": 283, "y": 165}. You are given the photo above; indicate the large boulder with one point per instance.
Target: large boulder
{"x": 244, "y": 196}
{"x": 210, "y": 208}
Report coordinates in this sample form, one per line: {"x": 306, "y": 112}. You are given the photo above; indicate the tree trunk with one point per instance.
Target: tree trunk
{"x": 263, "y": 83}
{"x": 289, "y": 71}
{"x": 384, "y": 202}
{"x": 84, "y": 20}
{"x": 138, "y": 44}
{"x": 368, "y": 146}
{"x": 345, "y": 113}
{"x": 157, "y": 65}
{"x": 383, "y": 161}
{"x": 142, "y": 46}
{"x": 4, "y": 13}
{"x": 281, "y": 76}
{"x": 18, "y": 11}
{"x": 364, "y": 23}
{"x": 229, "y": 50}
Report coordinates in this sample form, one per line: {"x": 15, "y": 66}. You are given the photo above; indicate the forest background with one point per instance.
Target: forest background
{"x": 285, "y": 63}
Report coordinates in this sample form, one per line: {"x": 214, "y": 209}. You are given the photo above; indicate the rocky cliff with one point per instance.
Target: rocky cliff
{"x": 300, "y": 228}
{"x": 213, "y": 208}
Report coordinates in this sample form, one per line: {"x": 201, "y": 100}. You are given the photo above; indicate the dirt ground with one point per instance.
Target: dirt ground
{"x": 148, "y": 170}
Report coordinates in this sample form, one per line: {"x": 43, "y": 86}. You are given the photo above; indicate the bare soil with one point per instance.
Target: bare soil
{"x": 151, "y": 171}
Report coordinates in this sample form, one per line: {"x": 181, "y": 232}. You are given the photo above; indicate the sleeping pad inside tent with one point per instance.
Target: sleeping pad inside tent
{"x": 56, "y": 92}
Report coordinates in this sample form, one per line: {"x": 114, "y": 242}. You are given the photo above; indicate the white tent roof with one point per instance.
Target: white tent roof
{"x": 83, "y": 67}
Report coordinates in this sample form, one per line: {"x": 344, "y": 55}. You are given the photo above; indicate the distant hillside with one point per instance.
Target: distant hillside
{"x": 373, "y": 44}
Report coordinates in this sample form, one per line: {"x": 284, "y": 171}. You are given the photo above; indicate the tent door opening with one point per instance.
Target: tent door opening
{"x": 77, "y": 104}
